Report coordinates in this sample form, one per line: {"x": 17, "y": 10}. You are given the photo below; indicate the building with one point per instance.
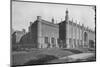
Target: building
{"x": 44, "y": 33}
{"x": 75, "y": 35}
{"x": 17, "y": 35}
{"x": 66, "y": 34}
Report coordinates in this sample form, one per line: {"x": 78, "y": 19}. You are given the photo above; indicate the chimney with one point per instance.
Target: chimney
{"x": 24, "y": 31}
{"x": 61, "y": 19}
{"x": 72, "y": 19}
{"x": 76, "y": 22}
{"x": 82, "y": 25}
{"x": 52, "y": 20}
{"x": 66, "y": 16}
{"x": 79, "y": 24}
{"x": 30, "y": 23}
{"x": 38, "y": 18}
{"x": 87, "y": 28}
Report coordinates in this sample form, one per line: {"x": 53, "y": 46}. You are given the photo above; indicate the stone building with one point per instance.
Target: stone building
{"x": 17, "y": 35}
{"x": 44, "y": 33}
{"x": 65, "y": 34}
{"x": 75, "y": 35}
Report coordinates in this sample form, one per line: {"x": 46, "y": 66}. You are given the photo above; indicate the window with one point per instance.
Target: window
{"x": 85, "y": 36}
{"x": 81, "y": 43}
{"x": 52, "y": 40}
{"x": 74, "y": 42}
{"x": 58, "y": 41}
{"x": 70, "y": 41}
{"x": 78, "y": 42}
{"x": 46, "y": 40}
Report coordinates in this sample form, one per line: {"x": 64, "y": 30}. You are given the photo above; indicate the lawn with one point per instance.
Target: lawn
{"x": 19, "y": 58}
{"x": 43, "y": 55}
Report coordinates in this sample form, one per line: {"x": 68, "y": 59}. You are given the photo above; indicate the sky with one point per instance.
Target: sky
{"x": 25, "y": 12}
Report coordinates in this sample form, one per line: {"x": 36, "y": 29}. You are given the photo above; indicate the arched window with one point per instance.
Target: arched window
{"x": 85, "y": 36}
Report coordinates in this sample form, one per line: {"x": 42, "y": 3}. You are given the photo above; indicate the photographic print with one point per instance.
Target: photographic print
{"x": 52, "y": 33}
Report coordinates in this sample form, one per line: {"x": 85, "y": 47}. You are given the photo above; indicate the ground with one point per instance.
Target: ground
{"x": 50, "y": 55}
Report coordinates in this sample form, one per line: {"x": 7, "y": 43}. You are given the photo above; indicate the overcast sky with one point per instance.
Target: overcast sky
{"x": 24, "y": 12}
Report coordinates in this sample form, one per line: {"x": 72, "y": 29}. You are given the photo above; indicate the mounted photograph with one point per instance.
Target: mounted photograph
{"x": 52, "y": 33}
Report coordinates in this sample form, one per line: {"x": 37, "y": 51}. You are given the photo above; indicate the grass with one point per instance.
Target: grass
{"x": 42, "y": 60}
{"x": 73, "y": 51}
{"x": 56, "y": 52}
{"x": 80, "y": 50}
{"x": 21, "y": 58}
{"x": 35, "y": 56}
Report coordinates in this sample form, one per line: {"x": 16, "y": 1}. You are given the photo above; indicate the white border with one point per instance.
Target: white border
{"x": 5, "y": 33}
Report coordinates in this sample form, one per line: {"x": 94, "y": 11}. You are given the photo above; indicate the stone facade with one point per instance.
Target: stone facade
{"x": 75, "y": 35}
{"x": 44, "y": 33}
{"x": 17, "y": 35}
{"x": 66, "y": 34}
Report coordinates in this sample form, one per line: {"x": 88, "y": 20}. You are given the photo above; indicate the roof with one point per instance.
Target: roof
{"x": 48, "y": 23}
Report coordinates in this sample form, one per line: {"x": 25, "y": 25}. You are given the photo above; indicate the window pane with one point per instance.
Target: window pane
{"x": 46, "y": 39}
{"x": 52, "y": 40}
